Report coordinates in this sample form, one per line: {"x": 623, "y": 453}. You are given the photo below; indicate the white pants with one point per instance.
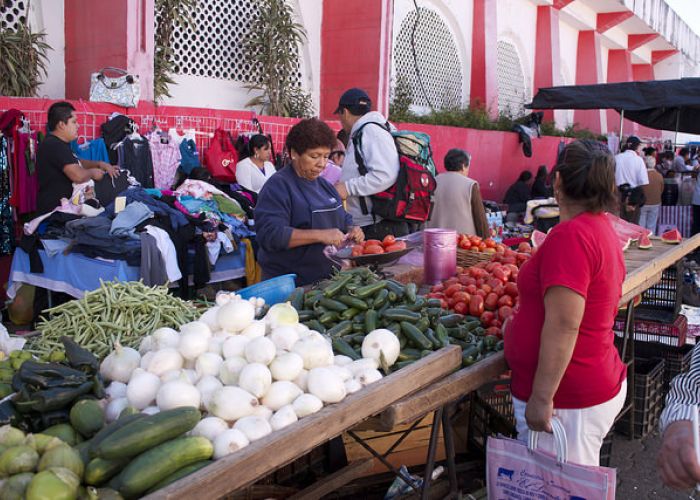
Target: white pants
{"x": 585, "y": 428}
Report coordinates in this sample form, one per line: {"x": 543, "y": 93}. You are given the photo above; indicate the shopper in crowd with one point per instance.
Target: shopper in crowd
{"x": 559, "y": 344}
{"x": 650, "y": 157}
{"x": 649, "y": 213}
{"x": 57, "y": 167}
{"x": 540, "y": 189}
{"x": 333, "y": 169}
{"x": 298, "y": 213}
{"x": 252, "y": 172}
{"x": 681, "y": 163}
{"x": 458, "y": 203}
{"x": 517, "y": 196}
{"x": 665, "y": 164}
{"x": 381, "y": 160}
{"x": 677, "y": 461}
{"x": 630, "y": 176}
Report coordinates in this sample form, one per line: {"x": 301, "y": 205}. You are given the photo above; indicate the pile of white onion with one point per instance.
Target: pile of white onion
{"x": 250, "y": 377}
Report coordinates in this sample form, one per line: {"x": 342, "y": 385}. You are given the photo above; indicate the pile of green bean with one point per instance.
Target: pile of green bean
{"x": 116, "y": 312}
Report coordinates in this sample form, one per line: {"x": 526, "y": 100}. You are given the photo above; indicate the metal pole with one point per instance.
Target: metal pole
{"x": 622, "y": 120}
{"x": 678, "y": 123}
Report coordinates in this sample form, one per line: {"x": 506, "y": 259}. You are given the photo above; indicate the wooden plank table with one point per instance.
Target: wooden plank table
{"x": 644, "y": 268}
{"x": 258, "y": 459}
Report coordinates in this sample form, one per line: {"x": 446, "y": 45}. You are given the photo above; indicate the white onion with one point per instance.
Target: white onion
{"x": 176, "y": 394}
{"x": 352, "y": 386}
{"x": 165, "y": 337}
{"x": 368, "y": 376}
{"x": 253, "y": 427}
{"x": 231, "y": 403}
{"x": 210, "y": 319}
{"x": 207, "y": 386}
{"x": 236, "y": 315}
{"x": 229, "y": 442}
{"x": 281, "y": 394}
{"x": 142, "y": 389}
{"x": 262, "y": 411}
{"x": 381, "y": 341}
{"x": 314, "y": 350}
{"x": 283, "y": 417}
{"x": 208, "y": 364}
{"x": 210, "y": 428}
{"x": 254, "y": 330}
{"x": 119, "y": 364}
{"x": 165, "y": 360}
{"x": 234, "y": 346}
{"x": 231, "y": 369}
{"x": 116, "y": 390}
{"x": 325, "y": 384}
{"x": 255, "y": 378}
{"x": 306, "y": 404}
{"x": 284, "y": 337}
{"x": 261, "y": 350}
{"x": 341, "y": 360}
{"x": 114, "y": 409}
{"x": 287, "y": 366}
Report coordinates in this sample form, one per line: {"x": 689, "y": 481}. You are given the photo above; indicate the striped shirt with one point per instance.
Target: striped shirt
{"x": 684, "y": 393}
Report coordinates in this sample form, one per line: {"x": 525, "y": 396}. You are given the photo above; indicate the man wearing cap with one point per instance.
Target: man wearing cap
{"x": 630, "y": 176}
{"x": 378, "y": 152}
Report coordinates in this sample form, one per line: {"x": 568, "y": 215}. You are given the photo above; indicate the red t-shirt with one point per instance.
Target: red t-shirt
{"x": 581, "y": 254}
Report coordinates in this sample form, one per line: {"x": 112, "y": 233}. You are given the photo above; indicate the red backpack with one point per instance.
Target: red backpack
{"x": 221, "y": 157}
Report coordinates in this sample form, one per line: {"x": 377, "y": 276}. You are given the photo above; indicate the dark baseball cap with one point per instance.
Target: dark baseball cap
{"x": 354, "y": 99}
{"x": 633, "y": 141}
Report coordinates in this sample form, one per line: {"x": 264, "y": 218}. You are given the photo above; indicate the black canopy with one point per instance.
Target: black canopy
{"x": 655, "y": 104}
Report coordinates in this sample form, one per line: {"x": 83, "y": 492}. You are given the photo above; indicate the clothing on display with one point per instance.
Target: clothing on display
{"x": 189, "y": 156}
{"x": 125, "y": 222}
{"x": 166, "y": 159}
{"x": 152, "y": 265}
{"x": 135, "y": 156}
{"x": 94, "y": 150}
{"x": 6, "y": 223}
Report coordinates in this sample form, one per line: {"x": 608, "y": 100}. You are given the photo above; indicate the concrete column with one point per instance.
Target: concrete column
{"x": 547, "y": 59}
{"x": 589, "y": 71}
{"x": 620, "y": 70}
{"x": 484, "y": 80}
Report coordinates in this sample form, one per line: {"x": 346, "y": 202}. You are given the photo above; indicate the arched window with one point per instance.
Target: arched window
{"x": 513, "y": 92}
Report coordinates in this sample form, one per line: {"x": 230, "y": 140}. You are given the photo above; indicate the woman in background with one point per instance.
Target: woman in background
{"x": 540, "y": 189}
{"x": 254, "y": 171}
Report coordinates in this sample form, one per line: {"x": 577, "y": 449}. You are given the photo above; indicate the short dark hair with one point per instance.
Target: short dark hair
{"x": 525, "y": 176}
{"x": 256, "y": 142}
{"x": 587, "y": 173}
{"x": 541, "y": 172}
{"x": 309, "y": 134}
{"x": 59, "y": 112}
{"x": 456, "y": 159}
{"x": 683, "y": 152}
{"x": 343, "y": 137}
{"x": 357, "y": 110}
{"x": 649, "y": 151}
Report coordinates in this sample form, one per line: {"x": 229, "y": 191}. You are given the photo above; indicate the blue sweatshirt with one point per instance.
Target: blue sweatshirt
{"x": 287, "y": 202}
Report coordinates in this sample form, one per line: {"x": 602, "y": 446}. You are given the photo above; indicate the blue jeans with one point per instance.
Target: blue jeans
{"x": 649, "y": 216}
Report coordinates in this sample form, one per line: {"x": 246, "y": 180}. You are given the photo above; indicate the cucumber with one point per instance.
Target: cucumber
{"x": 340, "y": 346}
{"x": 332, "y": 305}
{"x": 349, "y": 313}
{"x": 381, "y": 298}
{"x": 297, "y": 298}
{"x": 396, "y": 314}
{"x": 395, "y": 287}
{"x": 156, "y": 464}
{"x": 423, "y": 324}
{"x": 411, "y": 289}
{"x": 180, "y": 473}
{"x": 147, "y": 432}
{"x": 442, "y": 335}
{"x": 306, "y": 315}
{"x": 434, "y": 303}
{"x": 99, "y": 470}
{"x": 415, "y": 335}
{"x": 315, "y": 325}
{"x": 367, "y": 291}
{"x": 417, "y": 305}
{"x": 371, "y": 317}
{"x": 430, "y": 335}
{"x": 328, "y": 318}
{"x": 353, "y": 302}
{"x": 451, "y": 320}
{"x": 87, "y": 417}
{"x": 109, "y": 429}
{"x": 342, "y": 328}
{"x": 337, "y": 286}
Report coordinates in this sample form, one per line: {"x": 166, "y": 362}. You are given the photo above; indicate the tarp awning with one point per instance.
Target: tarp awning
{"x": 658, "y": 104}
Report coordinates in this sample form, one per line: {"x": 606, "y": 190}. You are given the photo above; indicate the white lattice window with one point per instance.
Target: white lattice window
{"x": 12, "y": 13}
{"x": 513, "y": 92}
{"x": 214, "y": 48}
{"x": 437, "y": 58}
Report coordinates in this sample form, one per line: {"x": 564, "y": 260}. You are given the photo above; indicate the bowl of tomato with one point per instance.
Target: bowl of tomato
{"x": 376, "y": 252}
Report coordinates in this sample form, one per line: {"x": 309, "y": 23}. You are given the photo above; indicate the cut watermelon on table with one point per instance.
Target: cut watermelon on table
{"x": 644, "y": 243}
{"x": 672, "y": 237}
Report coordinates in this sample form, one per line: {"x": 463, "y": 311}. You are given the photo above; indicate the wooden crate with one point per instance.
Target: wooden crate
{"x": 413, "y": 450}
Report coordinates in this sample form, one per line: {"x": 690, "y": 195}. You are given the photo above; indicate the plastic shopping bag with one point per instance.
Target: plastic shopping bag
{"x": 515, "y": 470}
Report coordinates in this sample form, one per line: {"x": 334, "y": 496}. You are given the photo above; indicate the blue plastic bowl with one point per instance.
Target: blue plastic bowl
{"x": 274, "y": 290}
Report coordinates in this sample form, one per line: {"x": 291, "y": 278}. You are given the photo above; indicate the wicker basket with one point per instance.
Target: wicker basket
{"x": 466, "y": 258}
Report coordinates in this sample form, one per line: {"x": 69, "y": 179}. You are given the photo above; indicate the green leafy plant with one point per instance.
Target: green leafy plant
{"x": 272, "y": 45}
{"x": 23, "y": 58}
{"x": 169, "y": 13}
{"x": 402, "y": 99}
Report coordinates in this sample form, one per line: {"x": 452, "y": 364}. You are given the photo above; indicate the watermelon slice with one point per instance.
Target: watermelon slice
{"x": 625, "y": 243}
{"x": 644, "y": 242}
{"x": 537, "y": 238}
{"x": 672, "y": 237}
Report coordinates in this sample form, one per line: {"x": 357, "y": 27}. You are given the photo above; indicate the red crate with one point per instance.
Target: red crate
{"x": 672, "y": 334}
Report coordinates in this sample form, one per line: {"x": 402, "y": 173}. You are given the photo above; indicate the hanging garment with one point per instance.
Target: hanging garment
{"x": 6, "y": 222}
{"x": 95, "y": 150}
{"x": 26, "y": 179}
{"x": 190, "y": 156}
{"x": 167, "y": 250}
{"x": 135, "y": 156}
{"x": 114, "y": 131}
{"x": 152, "y": 264}
{"x": 166, "y": 158}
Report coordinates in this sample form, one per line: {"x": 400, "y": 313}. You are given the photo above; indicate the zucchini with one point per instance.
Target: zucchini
{"x": 316, "y": 325}
{"x": 417, "y": 305}
{"x": 156, "y": 464}
{"x": 415, "y": 335}
{"x": 109, "y": 429}
{"x": 306, "y": 315}
{"x": 348, "y": 314}
{"x": 435, "y": 303}
{"x": 180, "y": 473}
{"x": 396, "y": 287}
{"x": 340, "y": 346}
{"x": 147, "y": 432}
{"x": 452, "y": 320}
{"x": 442, "y": 335}
{"x": 99, "y": 470}
{"x": 381, "y": 298}
{"x": 430, "y": 335}
{"x": 368, "y": 290}
{"x": 396, "y": 314}
{"x": 395, "y": 328}
{"x": 342, "y": 328}
{"x": 328, "y": 318}
{"x": 337, "y": 286}
{"x": 423, "y": 324}
{"x": 411, "y": 289}
{"x": 297, "y": 298}
{"x": 371, "y": 318}
{"x": 353, "y": 302}
{"x": 332, "y": 305}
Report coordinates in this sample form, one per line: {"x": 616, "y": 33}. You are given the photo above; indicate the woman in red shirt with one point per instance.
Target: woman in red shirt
{"x": 559, "y": 344}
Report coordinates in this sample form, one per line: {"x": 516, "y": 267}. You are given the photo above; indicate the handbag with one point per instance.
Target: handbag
{"x": 221, "y": 157}
{"x": 517, "y": 470}
{"x": 122, "y": 89}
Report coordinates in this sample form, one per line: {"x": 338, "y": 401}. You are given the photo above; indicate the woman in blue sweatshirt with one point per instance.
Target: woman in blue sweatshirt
{"x": 298, "y": 212}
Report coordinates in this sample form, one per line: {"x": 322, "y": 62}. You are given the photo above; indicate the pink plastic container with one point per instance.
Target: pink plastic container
{"x": 439, "y": 255}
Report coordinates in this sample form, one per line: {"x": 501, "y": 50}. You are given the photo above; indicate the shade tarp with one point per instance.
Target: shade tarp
{"x": 659, "y": 104}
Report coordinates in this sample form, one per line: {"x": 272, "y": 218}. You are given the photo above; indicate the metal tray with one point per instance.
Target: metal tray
{"x": 376, "y": 260}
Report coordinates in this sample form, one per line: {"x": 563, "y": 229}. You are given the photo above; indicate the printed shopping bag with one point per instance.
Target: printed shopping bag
{"x": 121, "y": 89}
{"x": 515, "y": 470}
{"x": 221, "y": 157}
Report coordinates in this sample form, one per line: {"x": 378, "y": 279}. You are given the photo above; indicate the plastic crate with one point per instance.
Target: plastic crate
{"x": 606, "y": 449}
{"x": 671, "y": 334}
{"x": 661, "y": 302}
{"x": 274, "y": 290}
{"x": 490, "y": 414}
{"x": 648, "y": 397}
{"x": 677, "y": 359}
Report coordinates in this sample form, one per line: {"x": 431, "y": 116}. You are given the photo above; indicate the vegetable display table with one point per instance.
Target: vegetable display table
{"x": 261, "y": 457}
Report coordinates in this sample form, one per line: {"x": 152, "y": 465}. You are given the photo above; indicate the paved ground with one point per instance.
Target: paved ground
{"x": 638, "y": 478}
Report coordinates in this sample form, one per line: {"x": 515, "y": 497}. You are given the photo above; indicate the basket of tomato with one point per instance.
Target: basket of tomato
{"x": 473, "y": 249}
{"x": 376, "y": 252}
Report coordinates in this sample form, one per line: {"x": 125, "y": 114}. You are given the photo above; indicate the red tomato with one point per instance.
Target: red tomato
{"x": 506, "y": 300}
{"x": 372, "y": 242}
{"x": 505, "y": 312}
{"x": 491, "y": 302}
{"x": 438, "y": 288}
{"x": 511, "y": 289}
{"x": 357, "y": 250}
{"x": 490, "y": 243}
{"x": 509, "y": 259}
{"x": 494, "y": 283}
{"x": 452, "y": 289}
{"x": 451, "y": 302}
{"x": 475, "y": 240}
{"x": 459, "y": 270}
{"x": 524, "y": 247}
{"x": 487, "y": 318}
{"x": 521, "y": 257}
{"x": 471, "y": 289}
{"x": 500, "y": 274}
{"x": 481, "y": 246}
{"x": 492, "y": 330}
{"x": 389, "y": 240}
{"x": 396, "y": 247}
{"x": 481, "y": 293}
{"x": 500, "y": 248}
{"x": 464, "y": 279}
{"x": 499, "y": 290}
{"x": 373, "y": 249}
{"x": 497, "y": 323}
{"x": 461, "y": 308}
{"x": 461, "y": 296}
{"x": 471, "y": 281}
{"x": 465, "y": 245}
{"x": 450, "y": 281}
{"x": 444, "y": 304}
{"x": 487, "y": 288}
{"x": 513, "y": 268}
{"x": 491, "y": 266}
{"x": 476, "y": 306}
